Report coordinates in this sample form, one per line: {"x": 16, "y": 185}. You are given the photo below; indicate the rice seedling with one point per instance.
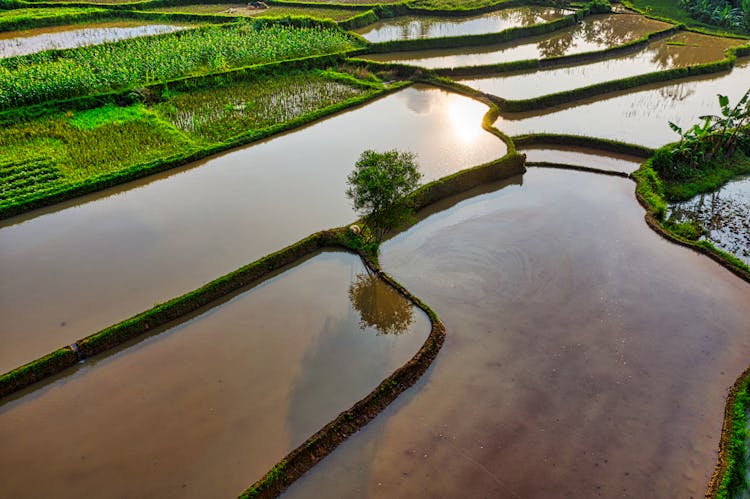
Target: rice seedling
{"x": 217, "y": 113}
{"x": 46, "y": 76}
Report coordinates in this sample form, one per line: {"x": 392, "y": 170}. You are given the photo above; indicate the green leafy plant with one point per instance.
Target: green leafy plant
{"x": 378, "y": 187}
{"x": 717, "y": 137}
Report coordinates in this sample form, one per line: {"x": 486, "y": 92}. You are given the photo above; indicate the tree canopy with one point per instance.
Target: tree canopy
{"x": 378, "y": 187}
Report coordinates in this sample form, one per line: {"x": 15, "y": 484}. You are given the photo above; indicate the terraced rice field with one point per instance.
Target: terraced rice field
{"x": 585, "y": 354}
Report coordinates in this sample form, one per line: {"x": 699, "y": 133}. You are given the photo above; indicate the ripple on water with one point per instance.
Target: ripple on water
{"x": 207, "y": 407}
{"x": 604, "y": 368}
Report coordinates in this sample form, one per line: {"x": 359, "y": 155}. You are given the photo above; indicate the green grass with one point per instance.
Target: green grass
{"x": 671, "y": 10}
{"x": 53, "y": 152}
{"x": 734, "y": 481}
{"x": 106, "y": 115}
{"x": 710, "y": 178}
{"x": 240, "y": 9}
{"x": 57, "y": 75}
{"x": 28, "y": 18}
{"x": 71, "y": 147}
{"x": 212, "y": 115}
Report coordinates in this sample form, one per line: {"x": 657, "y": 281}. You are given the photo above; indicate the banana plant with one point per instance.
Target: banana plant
{"x": 731, "y": 125}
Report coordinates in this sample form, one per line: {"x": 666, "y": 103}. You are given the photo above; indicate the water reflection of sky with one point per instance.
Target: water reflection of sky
{"x": 593, "y": 33}
{"x": 29, "y": 42}
{"x": 409, "y": 28}
{"x": 638, "y": 117}
{"x": 657, "y": 56}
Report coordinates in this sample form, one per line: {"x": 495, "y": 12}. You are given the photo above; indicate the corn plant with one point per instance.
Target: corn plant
{"x": 716, "y": 137}
{"x": 46, "y": 76}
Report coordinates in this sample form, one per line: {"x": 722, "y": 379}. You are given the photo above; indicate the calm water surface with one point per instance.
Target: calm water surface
{"x": 638, "y": 117}
{"x": 206, "y": 408}
{"x": 586, "y": 356}
{"x": 658, "y": 56}
{"x": 593, "y": 33}
{"x": 85, "y": 265}
{"x": 415, "y": 27}
{"x": 24, "y": 42}
{"x": 583, "y": 157}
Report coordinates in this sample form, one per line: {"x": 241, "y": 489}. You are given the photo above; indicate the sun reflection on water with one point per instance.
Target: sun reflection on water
{"x": 462, "y": 115}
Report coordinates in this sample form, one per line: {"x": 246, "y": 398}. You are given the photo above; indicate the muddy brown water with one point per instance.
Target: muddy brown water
{"x": 70, "y": 271}
{"x": 657, "y": 56}
{"x": 206, "y": 408}
{"x": 15, "y": 43}
{"x": 415, "y": 27}
{"x": 585, "y": 356}
{"x": 640, "y": 116}
{"x": 593, "y": 33}
{"x": 579, "y": 156}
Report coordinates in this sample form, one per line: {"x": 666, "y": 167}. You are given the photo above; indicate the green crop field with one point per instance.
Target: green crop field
{"x": 49, "y": 75}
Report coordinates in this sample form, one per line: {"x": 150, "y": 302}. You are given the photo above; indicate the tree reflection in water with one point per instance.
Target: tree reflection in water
{"x": 380, "y": 306}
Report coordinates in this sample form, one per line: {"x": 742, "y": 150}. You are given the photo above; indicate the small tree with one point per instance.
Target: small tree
{"x": 378, "y": 187}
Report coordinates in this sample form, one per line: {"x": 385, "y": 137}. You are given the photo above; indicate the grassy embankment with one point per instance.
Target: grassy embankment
{"x": 16, "y": 19}
{"x": 670, "y": 11}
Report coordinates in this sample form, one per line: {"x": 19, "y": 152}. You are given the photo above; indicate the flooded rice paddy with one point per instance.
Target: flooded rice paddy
{"x": 207, "y": 407}
{"x": 724, "y": 214}
{"x": 593, "y": 33}
{"x": 90, "y": 263}
{"x": 15, "y": 43}
{"x": 639, "y": 116}
{"x": 415, "y": 27}
{"x": 586, "y": 356}
{"x": 578, "y": 156}
{"x": 679, "y": 50}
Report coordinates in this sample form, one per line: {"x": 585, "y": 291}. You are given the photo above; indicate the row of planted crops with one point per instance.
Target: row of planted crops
{"x": 156, "y": 164}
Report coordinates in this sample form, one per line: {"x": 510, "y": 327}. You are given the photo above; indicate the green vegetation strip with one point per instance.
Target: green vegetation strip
{"x": 583, "y": 141}
{"x": 728, "y": 480}
{"x": 671, "y": 11}
{"x": 472, "y": 40}
{"x": 93, "y": 143}
{"x": 17, "y": 19}
{"x": 588, "y": 169}
{"x": 51, "y": 75}
{"x": 20, "y": 19}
